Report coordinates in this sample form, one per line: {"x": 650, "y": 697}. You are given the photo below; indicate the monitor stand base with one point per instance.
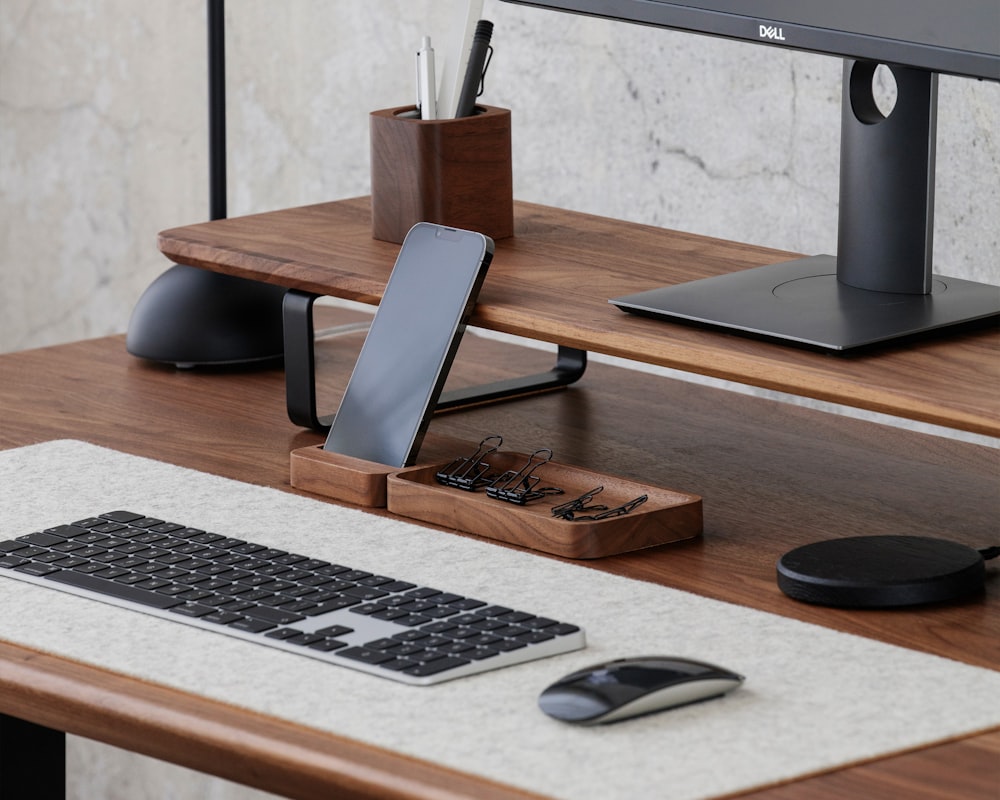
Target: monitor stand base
{"x": 802, "y": 301}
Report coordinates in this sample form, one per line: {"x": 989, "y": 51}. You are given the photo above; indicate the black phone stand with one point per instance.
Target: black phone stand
{"x": 300, "y": 371}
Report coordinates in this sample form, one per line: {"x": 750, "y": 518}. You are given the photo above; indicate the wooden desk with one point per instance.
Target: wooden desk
{"x": 552, "y": 280}
{"x": 773, "y": 476}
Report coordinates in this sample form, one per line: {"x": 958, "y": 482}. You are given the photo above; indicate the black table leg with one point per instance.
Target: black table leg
{"x": 32, "y": 761}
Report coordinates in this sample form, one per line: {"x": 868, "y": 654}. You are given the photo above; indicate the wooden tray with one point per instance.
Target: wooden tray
{"x": 355, "y": 480}
{"x": 666, "y": 516}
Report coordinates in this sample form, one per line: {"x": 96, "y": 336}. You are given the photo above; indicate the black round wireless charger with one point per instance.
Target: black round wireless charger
{"x": 881, "y": 572}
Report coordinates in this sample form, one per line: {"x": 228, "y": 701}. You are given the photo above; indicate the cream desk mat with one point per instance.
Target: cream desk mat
{"x": 814, "y": 698}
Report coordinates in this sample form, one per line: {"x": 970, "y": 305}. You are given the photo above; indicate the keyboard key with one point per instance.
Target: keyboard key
{"x": 36, "y": 568}
{"x": 26, "y": 550}
{"x": 83, "y": 523}
{"x": 50, "y": 557}
{"x": 312, "y": 564}
{"x": 538, "y": 622}
{"x": 455, "y": 648}
{"x": 412, "y": 620}
{"x": 392, "y": 613}
{"x": 252, "y": 625}
{"x": 533, "y": 637}
{"x": 366, "y": 655}
{"x": 41, "y": 539}
{"x": 333, "y": 605}
{"x": 89, "y": 567}
{"x": 121, "y": 516}
{"x": 434, "y": 667}
{"x": 108, "y": 527}
{"x": 506, "y": 645}
{"x": 112, "y": 589}
{"x": 334, "y": 631}
{"x": 410, "y": 636}
{"x": 516, "y": 617}
{"x": 382, "y": 644}
{"x": 283, "y": 633}
{"x": 111, "y": 572}
{"x": 222, "y": 617}
{"x": 274, "y": 615}
{"x": 440, "y": 627}
{"x": 480, "y": 653}
{"x": 467, "y": 604}
{"x": 68, "y": 562}
{"x": 193, "y": 610}
{"x": 398, "y": 664}
{"x": 494, "y": 611}
{"x": 423, "y": 592}
{"x": 447, "y": 598}
{"x": 131, "y": 578}
{"x": 354, "y": 575}
{"x": 328, "y": 645}
{"x": 562, "y": 629}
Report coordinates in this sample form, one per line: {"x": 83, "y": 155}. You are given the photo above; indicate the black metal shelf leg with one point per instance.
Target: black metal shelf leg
{"x": 32, "y": 760}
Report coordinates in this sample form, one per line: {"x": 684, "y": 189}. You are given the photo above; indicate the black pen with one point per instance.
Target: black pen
{"x": 474, "y": 71}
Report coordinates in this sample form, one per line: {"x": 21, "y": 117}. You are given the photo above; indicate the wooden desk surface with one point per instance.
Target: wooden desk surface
{"x": 773, "y": 476}
{"x": 552, "y": 280}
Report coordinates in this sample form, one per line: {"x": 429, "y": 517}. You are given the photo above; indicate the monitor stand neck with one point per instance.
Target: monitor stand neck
{"x": 886, "y": 229}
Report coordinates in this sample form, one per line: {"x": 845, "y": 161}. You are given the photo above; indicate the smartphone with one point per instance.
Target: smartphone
{"x": 410, "y": 345}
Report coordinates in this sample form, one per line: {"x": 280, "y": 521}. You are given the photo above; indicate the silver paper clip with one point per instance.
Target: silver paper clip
{"x": 521, "y": 486}
{"x": 470, "y": 473}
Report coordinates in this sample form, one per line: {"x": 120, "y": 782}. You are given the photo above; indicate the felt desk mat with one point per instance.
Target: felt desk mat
{"x": 814, "y": 698}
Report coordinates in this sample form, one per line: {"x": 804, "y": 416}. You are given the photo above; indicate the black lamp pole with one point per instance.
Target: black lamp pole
{"x": 217, "y": 109}
{"x": 193, "y": 317}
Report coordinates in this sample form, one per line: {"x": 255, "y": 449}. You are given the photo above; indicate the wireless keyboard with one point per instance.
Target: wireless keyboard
{"x": 373, "y": 623}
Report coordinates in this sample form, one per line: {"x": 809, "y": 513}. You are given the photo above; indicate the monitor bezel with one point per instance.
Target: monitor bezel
{"x": 825, "y": 41}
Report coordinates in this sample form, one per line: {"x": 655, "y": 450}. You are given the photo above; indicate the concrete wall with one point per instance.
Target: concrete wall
{"x": 103, "y": 135}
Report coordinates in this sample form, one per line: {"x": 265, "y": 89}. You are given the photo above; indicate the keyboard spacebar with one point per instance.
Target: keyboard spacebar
{"x": 120, "y": 590}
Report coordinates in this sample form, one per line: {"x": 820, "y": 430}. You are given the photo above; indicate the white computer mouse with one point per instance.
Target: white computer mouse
{"x": 629, "y": 687}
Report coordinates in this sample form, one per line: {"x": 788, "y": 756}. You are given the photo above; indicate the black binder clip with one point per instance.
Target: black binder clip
{"x": 471, "y": 473}
{"x": 574, "y": 510}
{"x": 571, "y": 508}
{"x": 624, "y": 508}
{"x": 521, "y": 486}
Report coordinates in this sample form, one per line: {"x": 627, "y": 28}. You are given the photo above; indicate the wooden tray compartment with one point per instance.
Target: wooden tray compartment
{"x": 355, "y": 480}
{"x": 667, "y": 515}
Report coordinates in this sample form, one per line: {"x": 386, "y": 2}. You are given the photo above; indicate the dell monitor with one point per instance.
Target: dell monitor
{"x": 881, "y": 285}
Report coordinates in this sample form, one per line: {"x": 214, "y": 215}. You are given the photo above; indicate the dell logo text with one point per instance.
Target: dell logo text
{"x": 772, "y": 32}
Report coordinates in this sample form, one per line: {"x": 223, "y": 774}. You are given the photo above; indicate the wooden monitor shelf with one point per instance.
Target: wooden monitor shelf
{"x": 551, "y": 282}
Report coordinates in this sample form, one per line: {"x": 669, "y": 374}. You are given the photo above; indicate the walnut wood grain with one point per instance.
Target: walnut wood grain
{"x": 453, "y": 172}
{"x": 355, "y": 480}
{"x": 772, "y": 477}
{"x": 666, "y": 515}
{"x": 552, "y": 279}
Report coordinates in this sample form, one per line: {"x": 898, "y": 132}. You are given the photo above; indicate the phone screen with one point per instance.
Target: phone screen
{"x": 410, "y": 345}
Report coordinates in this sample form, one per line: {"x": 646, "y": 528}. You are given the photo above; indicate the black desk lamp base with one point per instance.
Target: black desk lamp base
{"x": 881, "y": 572}
{"x": 193, "y": 317}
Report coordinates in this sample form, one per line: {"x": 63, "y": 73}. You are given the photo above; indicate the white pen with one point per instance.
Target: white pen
{"x": 426, "y": 85}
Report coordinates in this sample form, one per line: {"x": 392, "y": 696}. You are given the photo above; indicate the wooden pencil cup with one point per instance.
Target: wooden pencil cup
{"x": 454, "y": 172}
